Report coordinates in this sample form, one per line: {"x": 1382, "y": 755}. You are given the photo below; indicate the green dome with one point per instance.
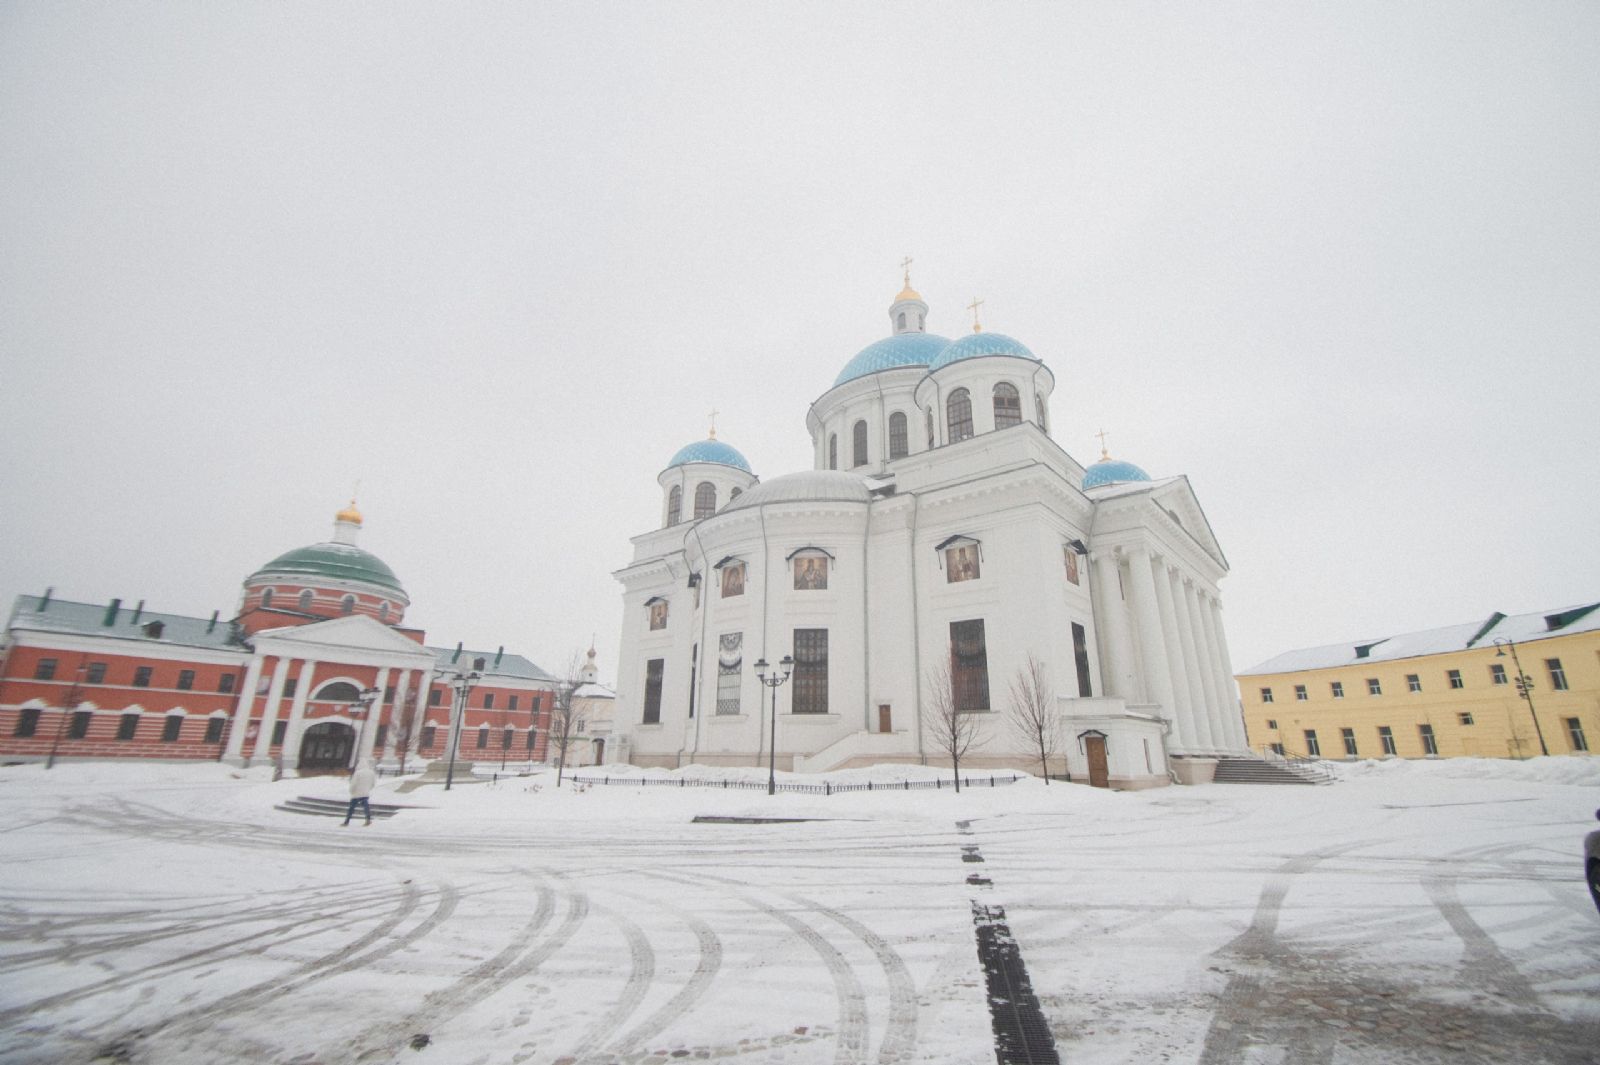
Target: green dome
{"x": 343, "y": 562}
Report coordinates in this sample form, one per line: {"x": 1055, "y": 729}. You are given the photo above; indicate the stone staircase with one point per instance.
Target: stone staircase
{"x": 1261, "y": 771}
{"x": 311, "y": 807}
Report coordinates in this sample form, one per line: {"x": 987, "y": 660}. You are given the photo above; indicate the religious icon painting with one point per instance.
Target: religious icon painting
{"x": 810, "y": 573}
{"x": 961, "y": 563}
{"x": 732, "y": 580}
{"x": 1072, "y": 563}
{"x": 658, "y": 614}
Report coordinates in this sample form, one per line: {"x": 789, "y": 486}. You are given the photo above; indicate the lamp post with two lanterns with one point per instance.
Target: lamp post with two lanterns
{"x": 461, "y": 681}
{"x": 771, "y": 678}
{"x": 1524, "y": 686}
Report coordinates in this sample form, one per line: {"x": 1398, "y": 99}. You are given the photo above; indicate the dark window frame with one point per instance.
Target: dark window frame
{"x": 958, "y": 416}
{"x": 655, "y": 672}
{"x": 1007, "y": 405}
{"x": 810, "y": 695}
{"x": 899, "y": 436}
{"x": 969, "y": 666}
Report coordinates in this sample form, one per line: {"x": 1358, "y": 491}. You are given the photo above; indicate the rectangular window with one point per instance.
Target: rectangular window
{"x": 388, "y": 694}
{"x": 730, "y": 667}
{"x": 899, "y": 445}
{"x": 488, "y": 700}
{"x": 969, "y": 666}
{"x": 653, "y": 671}
{"x": 1272, "y": 722}
{"x": 214, "y": 730}
{"x": 1497, "y": 674}
{"x": 694, "y": 676}
{"x": 811, "y": 573}
{"x": 505, "y": 739}
{"x": 810, "y": 672}
{"x": 97, "y": 673}
{"x": 435, "y": 695}
{"x": 186, "y": 681}
{"x": 80, "y": 725}
{"x": 531, "y": 734}
{"x": 382, "y": 736}
{"x": 290, "y": 686}
{"x": 1413, "y": 682}
{"x": 279, "y": 728}
{"x": 513, "y": 702}
{"x": 1337, "y": 688}
{"x": 1575, "y": 734}
{"x": 1300, "y": 695}
{"x": 1558, "y": 676}
{"x": 425, "y": 741}
{"x": 127, "y": 726}
{"x": 1313, "y": 748}
{"x": 141, "y": 676}
{"x": 27, "y": 721}
{"x": 1430, "y": 746}
{"x": 961, "y": 563}
{"x": 483, "y": 737}
{"x": 1374, "y": 687}
{"x": 226, "y": 682}
{"x": 172, "y": 728}
{"x": 1080, "y": 659}
{"x": 44, "y": 669}
{"x": 1454, "y": 676}
{"x": 1277, "y": 749}
{"x": 1349, "y": 737}
{"x": 1466, "y": 718}
{"x": 1386, "y": 738}
{"x": 1266, "y": 695}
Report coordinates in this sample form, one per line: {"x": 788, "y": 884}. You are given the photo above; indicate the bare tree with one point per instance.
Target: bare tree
{"x": 1033, "y": 716}
{"x": 566, "y": 718}
{"x": 950, "y": 728}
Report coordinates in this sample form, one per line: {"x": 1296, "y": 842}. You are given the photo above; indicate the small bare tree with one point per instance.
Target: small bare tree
{"x": 951, "y": 729}
{"x": 566, "y": 718}
{"x": 1033, "y": 717}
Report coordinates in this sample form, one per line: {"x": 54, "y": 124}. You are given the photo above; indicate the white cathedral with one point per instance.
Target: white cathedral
{"x": 941, "y": 533}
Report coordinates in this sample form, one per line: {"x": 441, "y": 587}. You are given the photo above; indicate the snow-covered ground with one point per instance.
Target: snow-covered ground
{"x": 1414, "y": 912}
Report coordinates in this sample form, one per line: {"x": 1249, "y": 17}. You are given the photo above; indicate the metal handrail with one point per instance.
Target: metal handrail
{"x": 827, "y": 787}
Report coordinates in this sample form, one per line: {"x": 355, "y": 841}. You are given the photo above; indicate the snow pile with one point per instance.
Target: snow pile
{"x": 1556, "y": 769}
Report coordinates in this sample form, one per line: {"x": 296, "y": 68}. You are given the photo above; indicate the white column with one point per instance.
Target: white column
{"x": 1182, "y": 712}
{"x": 424, "y": 690}
{"x": 1207, "y": 704}
{"x": 1235, "y": 718}
{"x": 297, "y": 713}
{"x": 1117, "y": 671}
{"x": 1219, "y": 684}
{"x": 1199, "y": 727}
{"x": 397, "y": 712}
{"x": 269, "y": 713}
{"x": 241, "y": 716}
{"x": 1146, "y": 608}
{"x": 369, "y": 734}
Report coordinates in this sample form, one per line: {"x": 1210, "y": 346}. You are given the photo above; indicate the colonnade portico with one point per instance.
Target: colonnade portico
{"x": 1161, "y": 642}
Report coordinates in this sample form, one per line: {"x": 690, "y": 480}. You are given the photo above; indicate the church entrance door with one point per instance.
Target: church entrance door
{"x": 599, "y": 752}
{"x": 1094, "y": 747}
{"x": 326, "y": 747}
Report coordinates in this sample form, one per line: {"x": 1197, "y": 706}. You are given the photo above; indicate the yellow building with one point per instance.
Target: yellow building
{"x": 1447, "y": 693}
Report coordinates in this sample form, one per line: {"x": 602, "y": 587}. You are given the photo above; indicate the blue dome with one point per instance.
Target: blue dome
{"x": 902, "y": 349}
{"x": 977, "y": 345}
{"x": 710, "y": 451}
{"x": 1112, "y": 471}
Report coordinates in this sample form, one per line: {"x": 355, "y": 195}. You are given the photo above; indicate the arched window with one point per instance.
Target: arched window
{"x": 1038, "y": 405}
{"x": 674, "y": 505}
{"x": 305, "y": 599}
{"x": 1007, "y": 406}
{"x": 833, "y": 451}
{"x": 339, "y": 691}
{"x": 266, "y": 599}
{"x": 958, "y": 415}
{"x": 899, "y": 445}
{"x": 859, "y": 441}
{"x": 347, "y": 605}
{"x": 929, "y": 413}
{"x": 383, "y": 611}
{"x": 735, "y": 494}
{"x": 902, "y": 321}
{"x": 705, "y": 500}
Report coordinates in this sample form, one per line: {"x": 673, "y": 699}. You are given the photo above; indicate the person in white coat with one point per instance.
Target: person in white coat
{"x": 361, "y": 782}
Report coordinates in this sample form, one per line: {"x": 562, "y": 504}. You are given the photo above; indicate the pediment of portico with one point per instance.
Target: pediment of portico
{"x": 347, "y": 637}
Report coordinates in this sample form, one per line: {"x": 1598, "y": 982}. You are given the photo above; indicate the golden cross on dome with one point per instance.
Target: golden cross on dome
{"x": 714, "y": 413}
{"x": 905, "y": 264}
{"x": 973, "y": 307}
{"x": 1103, "y": 452}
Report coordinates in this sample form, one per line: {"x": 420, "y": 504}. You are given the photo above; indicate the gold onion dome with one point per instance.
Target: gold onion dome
{"x": 909, "y": 293}
{"x": 349, "y": 514}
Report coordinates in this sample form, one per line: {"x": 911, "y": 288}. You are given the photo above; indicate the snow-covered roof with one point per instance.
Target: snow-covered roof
{"x": 593, "y": 691}
{"x": 1522, "y": 628}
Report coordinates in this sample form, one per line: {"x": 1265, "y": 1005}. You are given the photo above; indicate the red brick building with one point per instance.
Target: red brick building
{"x": 315, "y": 670}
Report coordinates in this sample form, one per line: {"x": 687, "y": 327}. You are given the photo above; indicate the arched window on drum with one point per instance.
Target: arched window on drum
{"x": 899, "y": 442}
{"x": 674, "y": 505}
{"x": 1007, "y": 406}
{"x": 705, "y": 500}
{"x": 958, "y": 415}
{"x": 859, "y": 443}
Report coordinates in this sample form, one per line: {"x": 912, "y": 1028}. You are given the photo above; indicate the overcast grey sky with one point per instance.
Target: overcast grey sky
{"x": 1338, "y": 263}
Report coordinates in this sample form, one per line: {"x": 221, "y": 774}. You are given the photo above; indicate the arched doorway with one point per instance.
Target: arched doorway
{"x": 326, "y": 747}
{"x": 599, "y": 753}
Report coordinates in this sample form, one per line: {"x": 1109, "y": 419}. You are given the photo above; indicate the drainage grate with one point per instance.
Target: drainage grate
{"x": 1021, "y": 1034}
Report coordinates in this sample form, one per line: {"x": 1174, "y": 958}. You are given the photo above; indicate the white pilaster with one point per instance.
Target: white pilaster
{"x": 290, "y": 754}
{"x": 241, "y": 716}
{"x": 1219, "y": 683}
{"x": 1172, "y": 648}
{"x": 269, "y": 713}
{"x": 1207, "y": 695}
{"x": 369, "y": 734}
{"x": 1199, "y": 725}
{"x": 1235, "y": 715}
{"x": 1146, "y": 607}
{"x": 1117, "y": 671}
{"x": 391, "y": 745}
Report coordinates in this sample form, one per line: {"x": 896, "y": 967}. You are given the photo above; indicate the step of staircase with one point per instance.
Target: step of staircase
{"x": 311, "y": 807}
{"x": 1259, "y": 771}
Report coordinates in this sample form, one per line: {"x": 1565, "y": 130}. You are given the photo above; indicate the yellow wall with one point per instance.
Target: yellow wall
{"x": 1501, "y": 724}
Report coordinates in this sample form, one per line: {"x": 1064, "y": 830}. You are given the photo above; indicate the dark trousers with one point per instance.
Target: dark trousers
{"x": 366, "y": 808}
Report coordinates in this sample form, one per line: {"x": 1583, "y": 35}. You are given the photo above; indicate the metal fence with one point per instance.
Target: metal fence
{"x": 827, "y": 787}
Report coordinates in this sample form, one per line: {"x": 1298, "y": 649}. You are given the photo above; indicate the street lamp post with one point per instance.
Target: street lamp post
{"x": 462, "y": 681}
{"x": 1524, "y": 686}
{"x": 363, "y": 700}
{"x": 68, "y": 705}
{"x": 773, "y": 680}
